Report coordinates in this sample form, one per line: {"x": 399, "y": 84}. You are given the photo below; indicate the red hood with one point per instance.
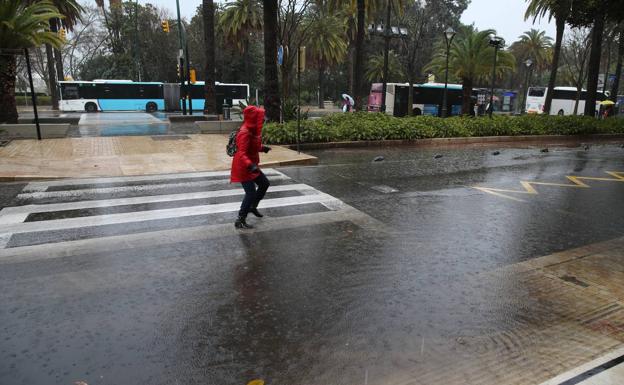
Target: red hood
{"x": 253, "y": 118}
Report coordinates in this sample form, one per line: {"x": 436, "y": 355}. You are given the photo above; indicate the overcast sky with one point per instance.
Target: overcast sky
{"x": 505, "y": 16}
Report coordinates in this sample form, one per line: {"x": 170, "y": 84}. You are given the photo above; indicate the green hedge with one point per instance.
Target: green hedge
{"x": 375, "y": 126}
{"x": 43, "y": 100}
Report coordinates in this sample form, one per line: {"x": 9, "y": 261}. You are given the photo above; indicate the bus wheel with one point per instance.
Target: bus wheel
{"x": 90, "y": 107}
{"x": 560, "y": 113}
{"x": 416, "y": 112}
{"x": 151, "y": 107}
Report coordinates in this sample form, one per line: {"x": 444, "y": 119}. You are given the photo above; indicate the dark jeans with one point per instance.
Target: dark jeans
{"x": 253, "y": 196}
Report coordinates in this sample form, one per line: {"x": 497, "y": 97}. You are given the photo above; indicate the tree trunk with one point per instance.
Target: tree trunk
{"x": 321, "y": 73}
{"x": 271, "y": 82}
{"x": 52, "y": 77}
{"x": 358, "y": 71}
{"x": 615, "y": 88}
{"x": 58, "y": 57}
{"x": 210, "y": 102}
{"x": 8, "y": 108}
{"x": 466, "y": 96}
{"x": 552, "y": 82}
{"x": 351, "y": 68}
{"x": 248, "y": 75}
{"x": 593, "y": 71}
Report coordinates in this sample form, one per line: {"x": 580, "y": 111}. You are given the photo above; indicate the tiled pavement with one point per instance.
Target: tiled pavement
{"x": 126, "y": 156}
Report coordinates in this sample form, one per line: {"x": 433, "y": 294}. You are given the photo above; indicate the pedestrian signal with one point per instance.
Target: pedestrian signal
{"x": 165, "y": 26}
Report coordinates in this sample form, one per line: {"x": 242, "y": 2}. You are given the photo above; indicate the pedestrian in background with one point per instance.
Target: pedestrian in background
{"x": 245, "y": 168}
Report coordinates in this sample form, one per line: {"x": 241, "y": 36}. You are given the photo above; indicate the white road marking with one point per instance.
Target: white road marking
{"x": 43, "y": 185}
{"x": 141, "y": 216}
{"x": 585, "y": 367}
{"x": 19, "y": 213}
{"x": 137, "y": 188}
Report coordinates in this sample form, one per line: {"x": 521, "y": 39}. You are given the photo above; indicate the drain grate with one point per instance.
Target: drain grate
{"x": 171, "y": 137}
{"x": 4, "y": 143}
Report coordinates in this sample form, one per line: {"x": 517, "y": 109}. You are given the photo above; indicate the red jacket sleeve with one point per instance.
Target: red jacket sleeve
{"x": 242, "y": 144}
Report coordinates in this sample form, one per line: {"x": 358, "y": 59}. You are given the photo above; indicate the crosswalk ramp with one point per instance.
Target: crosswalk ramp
{"x": 63, "y": 217}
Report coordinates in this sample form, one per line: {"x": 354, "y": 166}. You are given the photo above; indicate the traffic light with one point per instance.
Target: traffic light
{"x": 193, "y": 76}
{"x": 165, "y": 26}
{"x": 178, "y": 70}
{"x": 62, "y": 33}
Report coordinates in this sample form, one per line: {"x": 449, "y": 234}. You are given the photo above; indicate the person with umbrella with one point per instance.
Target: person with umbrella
{"x": 348, "y": 103}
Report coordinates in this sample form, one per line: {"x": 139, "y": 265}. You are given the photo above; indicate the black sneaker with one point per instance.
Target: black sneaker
{"x": 255, "y": 212}
{"x": 241, "y": 223}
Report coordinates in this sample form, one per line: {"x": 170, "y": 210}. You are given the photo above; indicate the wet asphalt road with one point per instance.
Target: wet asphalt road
{"x": 357, "y": 297}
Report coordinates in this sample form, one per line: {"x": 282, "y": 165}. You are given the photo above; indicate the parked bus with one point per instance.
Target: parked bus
{"x": 226, "y": 93}
{"x": 427, "y": 98}
{"x": 111, "y": 95}
{"x": 126, "y": 95}
{"x": 564, "y": 99}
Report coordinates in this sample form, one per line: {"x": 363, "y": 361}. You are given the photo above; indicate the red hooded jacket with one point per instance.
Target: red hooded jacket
{"x": 248, "y": 144}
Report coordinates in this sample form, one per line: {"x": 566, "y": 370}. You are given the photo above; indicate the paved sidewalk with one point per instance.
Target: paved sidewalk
{"x": 126, "y": 155}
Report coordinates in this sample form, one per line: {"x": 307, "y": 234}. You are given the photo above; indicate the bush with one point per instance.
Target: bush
{"x": 375, "y": 126}
{"x": 43, "y": 100}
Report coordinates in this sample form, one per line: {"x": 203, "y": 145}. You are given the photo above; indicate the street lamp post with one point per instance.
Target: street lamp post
{"x": 449, "y": 34}
{"x": 528, "y": 63}
{"x": 387, "y": 35}
{"x": 387, "y": 32}
{"x": 496, "y": 42}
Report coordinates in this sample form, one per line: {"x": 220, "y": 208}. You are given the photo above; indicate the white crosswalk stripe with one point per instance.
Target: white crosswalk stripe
{"x": 53, "y": 209}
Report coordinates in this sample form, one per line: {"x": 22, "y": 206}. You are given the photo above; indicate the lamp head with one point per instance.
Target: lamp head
{"x": 449, "y": 34}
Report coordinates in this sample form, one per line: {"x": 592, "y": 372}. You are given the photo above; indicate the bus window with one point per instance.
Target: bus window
{"x": 537, "y": 92}
{"x": 69, "y": 91}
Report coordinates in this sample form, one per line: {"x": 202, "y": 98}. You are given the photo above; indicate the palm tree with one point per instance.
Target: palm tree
{"x": 210, "y": 102}
{"x": 271, "y": 82}
{"x": 326, "y": 43}
{"x": 470, "y": 59}
{"x": 534, "y": 44}
{"x": 375, "y": 67}
{"x": 23, "y": 26}
{"x": 71, "y": 12}
{"x": 363, "y": 9}
{"x": 240, "y": 20}
{"x": 560, "y": 10}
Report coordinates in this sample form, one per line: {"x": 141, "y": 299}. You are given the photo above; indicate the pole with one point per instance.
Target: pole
{"x": 188, "y": 80}
{"x": 32, "y": 93}
{"x": 444, "y": 98}
{"x": 386, "y": 50}
{"x": 526, "y": 91}
{"x": 298, "y": 101}
{"x": 493, "y": 82}
{"x": 183, "y": 92}
{"x": 136, "y": 40}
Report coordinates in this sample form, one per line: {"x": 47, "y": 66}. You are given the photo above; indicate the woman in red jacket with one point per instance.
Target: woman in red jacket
{"x": 245, "y": 164}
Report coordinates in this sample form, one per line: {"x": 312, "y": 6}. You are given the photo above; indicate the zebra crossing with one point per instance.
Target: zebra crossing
{"x": 64, "y": 217}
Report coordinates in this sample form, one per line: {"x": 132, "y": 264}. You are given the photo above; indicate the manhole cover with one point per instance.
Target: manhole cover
{"x": 171, "y": 137}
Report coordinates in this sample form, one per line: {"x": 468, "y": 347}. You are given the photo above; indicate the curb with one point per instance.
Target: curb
{"x": 484, "y": 140}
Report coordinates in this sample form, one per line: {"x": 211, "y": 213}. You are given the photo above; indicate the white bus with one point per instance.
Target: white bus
{"x": 563, "y": 100}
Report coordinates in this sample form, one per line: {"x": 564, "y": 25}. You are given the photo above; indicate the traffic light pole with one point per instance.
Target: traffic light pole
{"x": 188, "y": 80}
{"x": 183, "y": 90}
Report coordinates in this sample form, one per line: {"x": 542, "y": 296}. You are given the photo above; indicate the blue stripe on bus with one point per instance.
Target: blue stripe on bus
{"x": 129, "y": 104}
